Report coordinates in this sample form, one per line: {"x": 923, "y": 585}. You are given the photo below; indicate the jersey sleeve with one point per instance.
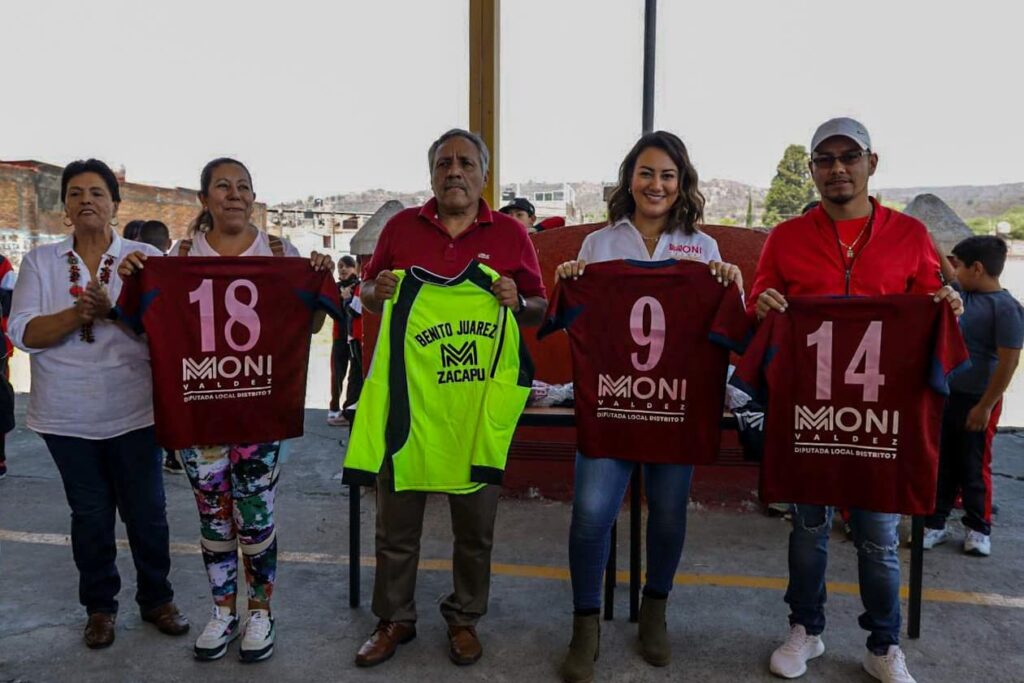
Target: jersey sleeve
{"x": 949, "y": 355}
{"x": 131, "y": 304}
{"x": 367, "y": 444}
{"x": 507, "y": 390}
{"x": 731, "y": 326}
{"x": 749, "y": 374}
{"x": 559, "y": 315}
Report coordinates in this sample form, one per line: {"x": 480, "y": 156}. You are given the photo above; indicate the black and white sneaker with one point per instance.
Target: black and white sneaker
{"x": 258, "y": 641}
{"x": 219, "y": 632}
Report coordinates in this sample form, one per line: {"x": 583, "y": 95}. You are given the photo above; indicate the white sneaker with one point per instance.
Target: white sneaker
{"x": 790, "y": 659}
{"x": 934, "y": 537}
{"x": 334, "y": 418}
{"x": 977, "y": 543}
{"x": 219, "y": 632}
{"x": 258, "y": 641}
{"x": 890, "y": 667}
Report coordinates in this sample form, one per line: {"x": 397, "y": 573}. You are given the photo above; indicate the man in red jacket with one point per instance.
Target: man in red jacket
{"x": 848, "y": 245}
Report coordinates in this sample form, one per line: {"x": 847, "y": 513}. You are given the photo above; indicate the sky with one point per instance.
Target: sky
{"x": 320, "y": 98}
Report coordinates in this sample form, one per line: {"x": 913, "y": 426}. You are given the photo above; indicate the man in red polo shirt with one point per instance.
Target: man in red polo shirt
{"x": 444, "y": 236}
{"x": 847, "y": 245}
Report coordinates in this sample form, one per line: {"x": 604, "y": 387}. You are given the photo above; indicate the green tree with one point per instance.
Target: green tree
{"x": 791, "y": 187}
{"x": 750, "y": 211}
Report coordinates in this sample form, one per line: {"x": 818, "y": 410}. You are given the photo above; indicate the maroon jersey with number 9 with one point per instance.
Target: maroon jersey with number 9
{"x": 650, "y": 346}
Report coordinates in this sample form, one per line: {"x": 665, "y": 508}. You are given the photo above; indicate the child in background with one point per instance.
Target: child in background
{"x": 993, "y": 328}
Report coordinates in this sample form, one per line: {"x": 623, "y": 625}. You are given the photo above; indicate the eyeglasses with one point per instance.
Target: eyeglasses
{"x": 825, "y": 161}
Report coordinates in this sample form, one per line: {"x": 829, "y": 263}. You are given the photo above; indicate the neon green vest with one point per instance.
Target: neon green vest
{"x": 449, "y": 378}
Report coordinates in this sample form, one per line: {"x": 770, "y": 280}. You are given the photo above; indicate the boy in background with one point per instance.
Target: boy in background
{"x": 993, "y": 328}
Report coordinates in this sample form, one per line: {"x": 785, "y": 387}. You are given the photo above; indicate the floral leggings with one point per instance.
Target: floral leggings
{"x": 234, "y": 487}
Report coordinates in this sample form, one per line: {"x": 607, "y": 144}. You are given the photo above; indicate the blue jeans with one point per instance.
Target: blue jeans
{"x": 599, "y": 489}
{"x": 876, "y": 538}
{"x": 101, "y": 478}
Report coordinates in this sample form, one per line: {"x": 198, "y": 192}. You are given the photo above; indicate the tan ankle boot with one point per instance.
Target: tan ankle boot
{"x": 578, "y": 666}
{"x": 654, "y": 647}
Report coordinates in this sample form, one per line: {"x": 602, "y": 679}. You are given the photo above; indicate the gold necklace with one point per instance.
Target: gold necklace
{"x": 851, "y": 245}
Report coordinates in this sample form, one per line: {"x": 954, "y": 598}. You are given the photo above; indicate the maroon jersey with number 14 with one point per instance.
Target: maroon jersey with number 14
{"x": 855, "y": 391}
{"x": 650, "y": 346}
{"x": 229, "y": 343}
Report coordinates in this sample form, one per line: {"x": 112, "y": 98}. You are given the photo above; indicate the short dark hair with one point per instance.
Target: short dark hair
{"x": 77, "y": 168}
{"x": 131, "y": 229}
{"x": 349, "y": 261}
{"x": 688, "y": 211}
{"x": 156, "y": 234}
{"x": 989, "y": 250}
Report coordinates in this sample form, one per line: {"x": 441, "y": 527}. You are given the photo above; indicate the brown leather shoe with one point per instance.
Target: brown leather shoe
{"x": 465, "y": 647}
{"x": 385, "y": 640}
{"x": 168, "y": 619}
{"x": 99, "y": 630}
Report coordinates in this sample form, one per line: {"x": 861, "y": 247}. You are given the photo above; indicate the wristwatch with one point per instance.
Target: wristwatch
{"x": 112, "y": 314}
{"x": 522, "y": 302}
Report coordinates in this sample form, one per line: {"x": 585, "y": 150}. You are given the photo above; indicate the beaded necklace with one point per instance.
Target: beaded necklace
{"x": 85, "y": 333}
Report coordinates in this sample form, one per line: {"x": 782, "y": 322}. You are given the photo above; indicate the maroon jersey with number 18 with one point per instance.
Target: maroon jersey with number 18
{"x": 229, "y": 343}
{"x": 855, "y": 390}
{"x": 650, "y": 348}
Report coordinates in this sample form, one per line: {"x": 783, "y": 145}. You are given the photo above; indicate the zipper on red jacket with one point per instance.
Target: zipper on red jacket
{"x": 867, "y": 231}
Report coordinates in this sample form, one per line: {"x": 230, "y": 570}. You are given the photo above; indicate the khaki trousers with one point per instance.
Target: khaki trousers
{"x": 399, "y": 527}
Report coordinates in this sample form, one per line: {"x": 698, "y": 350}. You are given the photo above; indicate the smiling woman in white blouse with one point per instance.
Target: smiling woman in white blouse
{"x": 92, "y": 402}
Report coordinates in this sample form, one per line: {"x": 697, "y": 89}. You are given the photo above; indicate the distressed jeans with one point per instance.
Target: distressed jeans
{"x": 876, "y": 537}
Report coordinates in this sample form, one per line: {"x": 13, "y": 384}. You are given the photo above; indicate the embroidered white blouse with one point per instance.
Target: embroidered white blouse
{"x": 91, "y": 391}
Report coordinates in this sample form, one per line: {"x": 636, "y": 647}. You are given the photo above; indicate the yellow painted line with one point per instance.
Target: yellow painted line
{"x": 526, "y": 571}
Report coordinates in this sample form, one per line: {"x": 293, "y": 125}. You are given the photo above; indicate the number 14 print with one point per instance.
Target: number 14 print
{"x": 239, "y": 313}
{"x": 868, "y": 352}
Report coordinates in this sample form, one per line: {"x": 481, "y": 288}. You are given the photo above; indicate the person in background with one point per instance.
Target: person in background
{"x": 131, "y": 229}
{"x": 91, "y": 401}
{"x": 8, "y": 278}
{"x": 348, "y": 280}
{"x": 993, "y": 328}
{"x": 156, "y": 234}
{"x": 354, "y": 314}
{"x": 522, "y": 210}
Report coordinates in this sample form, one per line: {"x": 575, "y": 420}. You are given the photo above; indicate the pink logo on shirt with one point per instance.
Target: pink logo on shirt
{"x": 686, "y": 250}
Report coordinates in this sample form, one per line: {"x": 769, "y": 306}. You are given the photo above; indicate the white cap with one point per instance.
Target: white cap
{"x": 847, "y": 128}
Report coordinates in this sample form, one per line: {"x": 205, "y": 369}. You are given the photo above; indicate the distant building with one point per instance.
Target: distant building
{"x": 31, "y": 212}
{"x": 549, "y": 199}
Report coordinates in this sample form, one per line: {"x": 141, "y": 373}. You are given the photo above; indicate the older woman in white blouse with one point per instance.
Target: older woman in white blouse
{"x": 91, "y": 401}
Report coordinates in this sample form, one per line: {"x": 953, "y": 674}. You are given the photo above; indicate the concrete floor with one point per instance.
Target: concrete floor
{"x": 719, "y": 632}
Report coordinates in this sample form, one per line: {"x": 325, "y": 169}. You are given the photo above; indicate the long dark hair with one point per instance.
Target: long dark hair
{"x": 688, "y": 211}
{"x": 203, "y": 222}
